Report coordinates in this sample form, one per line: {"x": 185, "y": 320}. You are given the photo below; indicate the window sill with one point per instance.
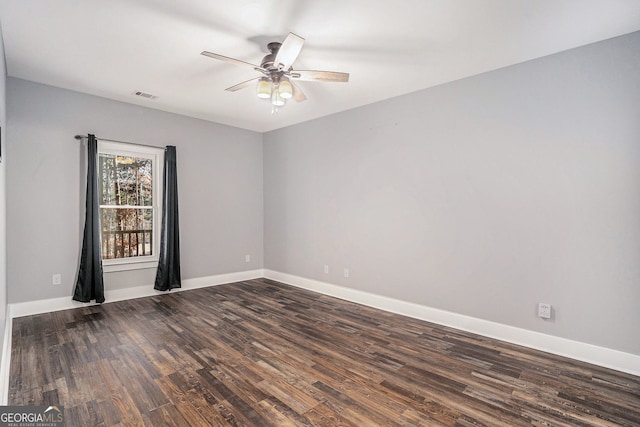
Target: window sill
{"x": 114, "y": 267}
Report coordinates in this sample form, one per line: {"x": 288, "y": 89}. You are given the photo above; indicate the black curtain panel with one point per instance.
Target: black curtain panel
{"x": 90, "y": 285}
{"x": 168, "y": 274}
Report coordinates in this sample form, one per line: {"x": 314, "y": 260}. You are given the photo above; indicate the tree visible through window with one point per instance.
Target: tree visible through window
{"x": 128, "y": 208}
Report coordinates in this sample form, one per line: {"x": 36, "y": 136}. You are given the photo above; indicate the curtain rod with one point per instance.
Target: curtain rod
{"x": 79, "y": 137}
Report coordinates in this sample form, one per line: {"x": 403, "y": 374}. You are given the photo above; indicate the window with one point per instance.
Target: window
{"x": 129, "y": 181}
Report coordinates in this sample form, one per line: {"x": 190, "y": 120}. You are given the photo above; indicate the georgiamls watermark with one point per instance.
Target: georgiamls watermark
{"x": 32, "y": 416}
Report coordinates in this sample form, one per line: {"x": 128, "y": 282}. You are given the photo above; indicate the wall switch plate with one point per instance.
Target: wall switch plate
{"x": 346, "y": 272}
{"x": 56, "y": 279}
{"x": 544, "y": 310}
{"x": 326, "y": 269}
{"x": 247, "y": 258}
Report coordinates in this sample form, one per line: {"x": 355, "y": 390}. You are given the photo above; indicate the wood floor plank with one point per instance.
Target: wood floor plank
{"x": 261, "y": 353}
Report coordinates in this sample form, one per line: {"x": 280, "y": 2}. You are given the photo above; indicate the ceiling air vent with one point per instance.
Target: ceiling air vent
{"x": 144, "y": 95}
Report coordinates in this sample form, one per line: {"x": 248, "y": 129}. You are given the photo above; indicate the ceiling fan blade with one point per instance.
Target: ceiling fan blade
{"x": 289, "y": 51}
{"x": 242, "y": 85}
{"x": 319, "y": 76}
{"x": 232, "y": 61}
{"x": 298, "y": 95}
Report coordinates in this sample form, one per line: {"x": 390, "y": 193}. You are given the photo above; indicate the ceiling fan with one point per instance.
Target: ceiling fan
{"x": 276, "y": 83}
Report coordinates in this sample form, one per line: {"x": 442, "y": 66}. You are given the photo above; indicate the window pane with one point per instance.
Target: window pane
{"x": 126, "y": 232}
{"x": 125, "y": 180}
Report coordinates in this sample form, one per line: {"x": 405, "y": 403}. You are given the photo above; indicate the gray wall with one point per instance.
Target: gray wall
{"x": 219, "y": 180}
{"x": 3, "y": 197}
{"x": 482, "y": 197}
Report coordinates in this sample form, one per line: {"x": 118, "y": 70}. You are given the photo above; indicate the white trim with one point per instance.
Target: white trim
{"x": 614, "y": 359}
{"x": 5, "y": 364}
{"x": 137, "y": 264}
{"x": 28, "y": 308}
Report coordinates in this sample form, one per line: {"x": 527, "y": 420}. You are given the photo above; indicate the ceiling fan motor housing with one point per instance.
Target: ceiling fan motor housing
{"x": 275, "y": 73}
{"x": 267, "y": 61}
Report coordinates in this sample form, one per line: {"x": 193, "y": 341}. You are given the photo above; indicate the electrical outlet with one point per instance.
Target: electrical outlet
{"x": 247, "y": 258}
{"x": 544, "y": 310}
{"x": 56, "y": 279}
{"x": 326, "y": 269}
{"x": 346, "y": 272}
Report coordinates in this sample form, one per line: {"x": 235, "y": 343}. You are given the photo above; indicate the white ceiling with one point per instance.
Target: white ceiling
{"x": 116, "y": 47}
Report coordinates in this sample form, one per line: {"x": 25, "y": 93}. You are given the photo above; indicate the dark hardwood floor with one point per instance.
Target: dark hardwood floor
{"x": 260, "y": 353}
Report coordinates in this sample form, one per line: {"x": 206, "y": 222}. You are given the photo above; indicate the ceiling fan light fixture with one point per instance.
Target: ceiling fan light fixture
{"x": 264, "y": 88}
{"x": 285, "y": 89}
{"x": 276, "y": 99}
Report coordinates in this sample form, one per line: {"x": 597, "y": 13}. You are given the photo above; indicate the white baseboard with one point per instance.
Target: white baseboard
{"x": 29, "y": 308}
{"x": 601, "y": 356}
{"x": 5, "y": 363}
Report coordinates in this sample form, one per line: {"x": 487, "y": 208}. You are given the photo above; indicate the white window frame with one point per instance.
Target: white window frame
{"x": 157, "y": 157}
